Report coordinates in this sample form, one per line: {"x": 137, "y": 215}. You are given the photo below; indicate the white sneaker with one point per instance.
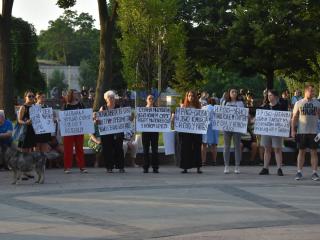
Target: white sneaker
{"x": 237, "y": 170}
{"x": 226, "y": 170}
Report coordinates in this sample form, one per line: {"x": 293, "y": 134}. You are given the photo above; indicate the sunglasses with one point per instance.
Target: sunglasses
{"x": 30, "y": 96}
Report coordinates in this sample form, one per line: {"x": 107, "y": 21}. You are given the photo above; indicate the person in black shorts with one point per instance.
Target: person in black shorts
{"x": 305, "y": 116}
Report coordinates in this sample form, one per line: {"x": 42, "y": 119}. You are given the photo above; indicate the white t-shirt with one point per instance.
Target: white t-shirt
{"x": 309, "y": 112}
{"x": 235, "y": 104}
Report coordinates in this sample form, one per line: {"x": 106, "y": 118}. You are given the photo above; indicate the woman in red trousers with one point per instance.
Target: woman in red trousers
{"x": 73, "y": 103}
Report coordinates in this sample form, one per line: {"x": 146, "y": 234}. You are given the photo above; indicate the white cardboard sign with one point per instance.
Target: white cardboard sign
{"x": 191, "y": 120}
{"x": 76, "y": 122}
{"x": 231, "y": 119}
{"x": 153, "y": 119}
{"x": 272, "y": 123}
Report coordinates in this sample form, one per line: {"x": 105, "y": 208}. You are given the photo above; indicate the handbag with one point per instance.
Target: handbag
{"x": 19, "y": 132}
{"x": 95, "y": 146}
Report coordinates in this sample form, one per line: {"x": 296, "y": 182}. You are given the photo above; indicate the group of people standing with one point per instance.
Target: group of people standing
{"x": 304, "y": 127}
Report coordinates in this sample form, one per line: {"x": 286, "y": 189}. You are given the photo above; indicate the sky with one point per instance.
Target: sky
{"x": 40, "y": 12}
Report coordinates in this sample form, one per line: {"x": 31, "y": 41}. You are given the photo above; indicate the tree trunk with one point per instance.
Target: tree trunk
{"x": 270, "y": 78}
{"x": 107, "y": 24}
{"x": 6, "y": 81}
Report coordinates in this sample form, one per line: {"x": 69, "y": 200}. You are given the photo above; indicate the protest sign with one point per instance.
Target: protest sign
{"x": 76, "y": 122}
{"x": 272, "y": 123}
{"x": 42, "y": 119}
{"x": 114, "y": 121}
{"x": 153, "y": 119}
{"x": 231, "y": 119}
{"x": 191, "y": 120}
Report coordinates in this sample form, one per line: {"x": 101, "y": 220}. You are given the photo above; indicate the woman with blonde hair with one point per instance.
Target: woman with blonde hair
{"x": 112, "y": 144}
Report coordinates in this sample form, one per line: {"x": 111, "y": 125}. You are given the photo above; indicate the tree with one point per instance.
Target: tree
{"x": 253, "y": 36}
{"x": 88, "y": 76}
{"x": 218, "y": 81}
{"x": 57, "y": 80}
{"x": 107, "y": 15}
{"x": 6, "y": 84}
{"x": 69, "y": 39}
{"x": 23, "y": 44}
{"x": 151, "y": 41}
{"x": 57, "y": 41}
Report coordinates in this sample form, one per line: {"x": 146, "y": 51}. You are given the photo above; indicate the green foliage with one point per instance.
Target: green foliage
{"x": 298, "y": 79}
{"x": 88, "y": 75}
{"x": 26, "y": 72}
{"x": 219, "y": 81}
{"x": 252, "y": 36}
{"x": 69, "y": 39}
{"x": 66, "y": 3}
{"x": 56, "y": 80}
{"x": 150, "y": 35}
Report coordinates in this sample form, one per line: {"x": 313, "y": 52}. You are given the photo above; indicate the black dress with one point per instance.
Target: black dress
{"x": 190, "y": 150}
{"x": 45, "y": 137}
{"x": 30, "y": 139}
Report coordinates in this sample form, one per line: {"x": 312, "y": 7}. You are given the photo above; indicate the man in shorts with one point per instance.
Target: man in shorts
{"x": 305, "y": 116}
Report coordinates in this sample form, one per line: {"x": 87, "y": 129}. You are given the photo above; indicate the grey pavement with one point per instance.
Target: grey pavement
{"x": 169, "y": 205}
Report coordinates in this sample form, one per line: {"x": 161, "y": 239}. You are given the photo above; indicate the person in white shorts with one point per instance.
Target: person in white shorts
{"x": 269, "y": 142}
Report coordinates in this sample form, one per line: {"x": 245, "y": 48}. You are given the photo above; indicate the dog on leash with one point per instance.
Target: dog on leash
{"x": 25, "y": 162}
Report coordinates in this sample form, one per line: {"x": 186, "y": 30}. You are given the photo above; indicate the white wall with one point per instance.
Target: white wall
{"x": 71, "y": 74}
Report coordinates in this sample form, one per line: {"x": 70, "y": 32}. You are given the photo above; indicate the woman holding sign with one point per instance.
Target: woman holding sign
{"x": 269, "y": 142}
{"x": 232, "y": 100}
{"x": 150, "y": 138}
{"x": 29, "y": 141}
{"x": 73, "y": 103}
{"x": 42, "y": 139}
{"x": 190, "y": 142}
{"x": 112, "y": 144}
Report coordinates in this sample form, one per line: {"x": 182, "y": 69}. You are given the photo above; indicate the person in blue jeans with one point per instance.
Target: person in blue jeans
{"x": 211, "y": 138}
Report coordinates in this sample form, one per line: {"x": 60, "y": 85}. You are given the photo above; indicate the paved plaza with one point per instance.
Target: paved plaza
{"x": 162, "y": 206}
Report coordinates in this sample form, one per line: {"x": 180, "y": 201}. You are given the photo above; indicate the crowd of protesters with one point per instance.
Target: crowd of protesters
{"x": 194, "y": 147}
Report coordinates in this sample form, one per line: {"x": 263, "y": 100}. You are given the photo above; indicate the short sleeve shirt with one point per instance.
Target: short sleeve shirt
{"x": 4, "y": 128}
{"x": 308, "y": 112}
{"x": 235, "y": 104}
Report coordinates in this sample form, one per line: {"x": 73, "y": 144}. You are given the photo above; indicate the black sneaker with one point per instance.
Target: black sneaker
{"x": 145, "y": 170}
{"x": 280, "y": 173}
{"x": 155, "y": 170}
{"x": 264, "y": 171}
{"x": 299, "y": 176}
{"x": 315, "y": 177}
